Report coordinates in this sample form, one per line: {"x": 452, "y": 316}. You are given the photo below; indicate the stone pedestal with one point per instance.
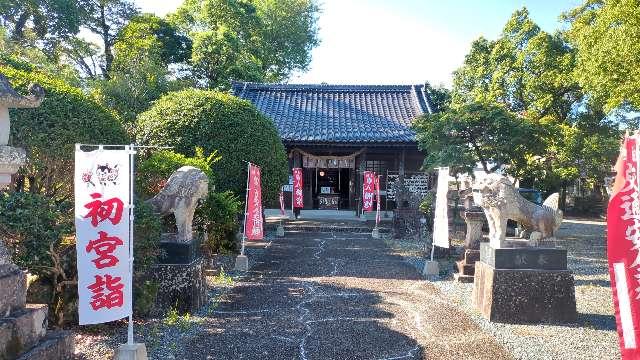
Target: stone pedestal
{"x": 181, "y": 277}
{"x": 136, "y": 351}
{"x": 474, "y": 218}
{"x": 23, "y": 327}
{"x": 431, "y": 268}
{"x": 242, "y": 263}
{"x": 525, "y": 285}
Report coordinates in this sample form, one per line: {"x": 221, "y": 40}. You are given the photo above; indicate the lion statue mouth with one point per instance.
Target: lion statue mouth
{"x": 501, "y": 201}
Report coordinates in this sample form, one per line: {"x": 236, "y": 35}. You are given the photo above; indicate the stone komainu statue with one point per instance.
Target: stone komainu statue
{"x": 501, "y": 201}
{"x": 180, "y": 196}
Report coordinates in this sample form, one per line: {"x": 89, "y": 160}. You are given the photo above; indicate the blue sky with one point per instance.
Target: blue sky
{"x": 402, "y": 41}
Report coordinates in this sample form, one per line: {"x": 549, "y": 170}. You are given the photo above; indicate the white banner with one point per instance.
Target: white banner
{"x": 441, "y": 218}
{"x": 102, "y": 204}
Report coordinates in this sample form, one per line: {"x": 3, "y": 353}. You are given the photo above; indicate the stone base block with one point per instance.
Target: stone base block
{"x": 136, "y": 351}
{"x": 242, "y": 263}
{"x": 375, "y": 233}
{"x": 22, "y": 329}
{"x": 182, "y": 286}
{"x": 57, "y": 345}
{"x": 280, "y": 231}
{"x": 13, "y": 290}
{"x": 524, "y": 257}
{"x": 524, "y": 296}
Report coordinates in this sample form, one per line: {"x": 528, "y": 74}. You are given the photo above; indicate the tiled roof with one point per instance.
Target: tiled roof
{"x": 339, "y": 113}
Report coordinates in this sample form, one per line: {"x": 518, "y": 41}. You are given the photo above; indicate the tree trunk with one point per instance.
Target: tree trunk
{"x": 18, "y": 31}
{"x": 562, "y": 203}
{"x": 108, "y": 54}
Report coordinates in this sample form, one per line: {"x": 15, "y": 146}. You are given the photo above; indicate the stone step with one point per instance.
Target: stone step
{"x": 56, "y": 345}
{"x": 463, "y": 278}
{"x": 465, "y": 269}
{"x": 330, "y": 228}
{"x": 22, "y": 329}
{"x": 13, "y": 289}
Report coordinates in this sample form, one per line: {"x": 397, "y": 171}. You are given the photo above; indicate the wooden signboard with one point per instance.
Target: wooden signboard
{"x": 328, "y": 202}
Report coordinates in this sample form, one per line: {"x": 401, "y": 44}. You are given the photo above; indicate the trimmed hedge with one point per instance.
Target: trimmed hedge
{"x": 49, "y": 132}
{"x": 218, "y": 121}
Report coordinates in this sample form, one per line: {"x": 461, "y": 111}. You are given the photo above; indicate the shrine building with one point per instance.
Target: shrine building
{"x": 336, "y": 132}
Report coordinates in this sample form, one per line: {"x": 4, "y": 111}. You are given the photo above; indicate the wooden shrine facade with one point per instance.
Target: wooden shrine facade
{"x": 336, "y": 132}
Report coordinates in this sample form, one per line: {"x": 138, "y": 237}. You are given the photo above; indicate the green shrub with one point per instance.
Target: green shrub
{"x": 153, "y": 172}
{"x": 31, "y": 224}
{"x": 146, "y": 250}
{"x": 49, "y": 132}
{"x": 218, "y": 121}
{"x": 218, "y": 216}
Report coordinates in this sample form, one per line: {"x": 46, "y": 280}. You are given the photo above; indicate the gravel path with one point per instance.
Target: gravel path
{"x": 336, "y": 296}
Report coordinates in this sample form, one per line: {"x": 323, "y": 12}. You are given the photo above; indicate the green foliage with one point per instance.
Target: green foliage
{"x": 606, "y": 33}
{"x": 139, "y": 74}
{"x": 440, "y": 97}
{"x": 146, "y": 250}
{"x": 218, "y": 217}
{"x": 38, "y": 233}
{"x": 531, "y": 74}
{"x": 475, "y": 133}
{"x": 106, "y": 18}
{"x": 149, "y": 34}
{"x": 41, "y": 18}
{"x": 153, "y": 172}
{"x": 258, "y": 40}
{"x": 218, "y": 121}
{"x": 223, "y": 278}
{"x": 33, "y": 225}
{"x": 526, "y": 70}
{"x": 49, "y": 132}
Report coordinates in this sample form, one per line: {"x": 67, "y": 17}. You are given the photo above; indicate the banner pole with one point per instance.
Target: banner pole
{"x": 132, "y": 158}
{"x": 246, "y": 202}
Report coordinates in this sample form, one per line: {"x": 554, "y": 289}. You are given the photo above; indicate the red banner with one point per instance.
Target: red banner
{"x": 298, "y": 201}
{"x": 377, "y": 200}
{"x": 623, "y": 244}
{"x": 253, "y": 224}
{"x": 368, "y": 190}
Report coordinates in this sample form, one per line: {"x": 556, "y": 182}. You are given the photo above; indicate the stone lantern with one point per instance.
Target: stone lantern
{"x": 11, "y": 159}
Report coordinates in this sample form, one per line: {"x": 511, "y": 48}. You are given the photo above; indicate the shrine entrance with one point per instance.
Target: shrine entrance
{"x": 330, "y": 188}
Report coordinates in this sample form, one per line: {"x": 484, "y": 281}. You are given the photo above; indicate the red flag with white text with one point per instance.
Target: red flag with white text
{"x": 623, "y": 244}
{"x": 298, "y": 200}
{"x": 377, "y": 200}
{"x": 253, "y": 223}
{"x": 368, "y": 190}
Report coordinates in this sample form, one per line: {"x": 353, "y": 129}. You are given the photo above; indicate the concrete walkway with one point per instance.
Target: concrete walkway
{"x": 337, "y": 296}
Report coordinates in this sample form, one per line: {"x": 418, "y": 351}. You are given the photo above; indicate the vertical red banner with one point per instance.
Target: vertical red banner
{"x": 377, "y": 200}
{"x": 253, "y": 225}
{"x": 623, "y": 246}
{"x": 298, "y": 200}
{"x": 368, "y": 190}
